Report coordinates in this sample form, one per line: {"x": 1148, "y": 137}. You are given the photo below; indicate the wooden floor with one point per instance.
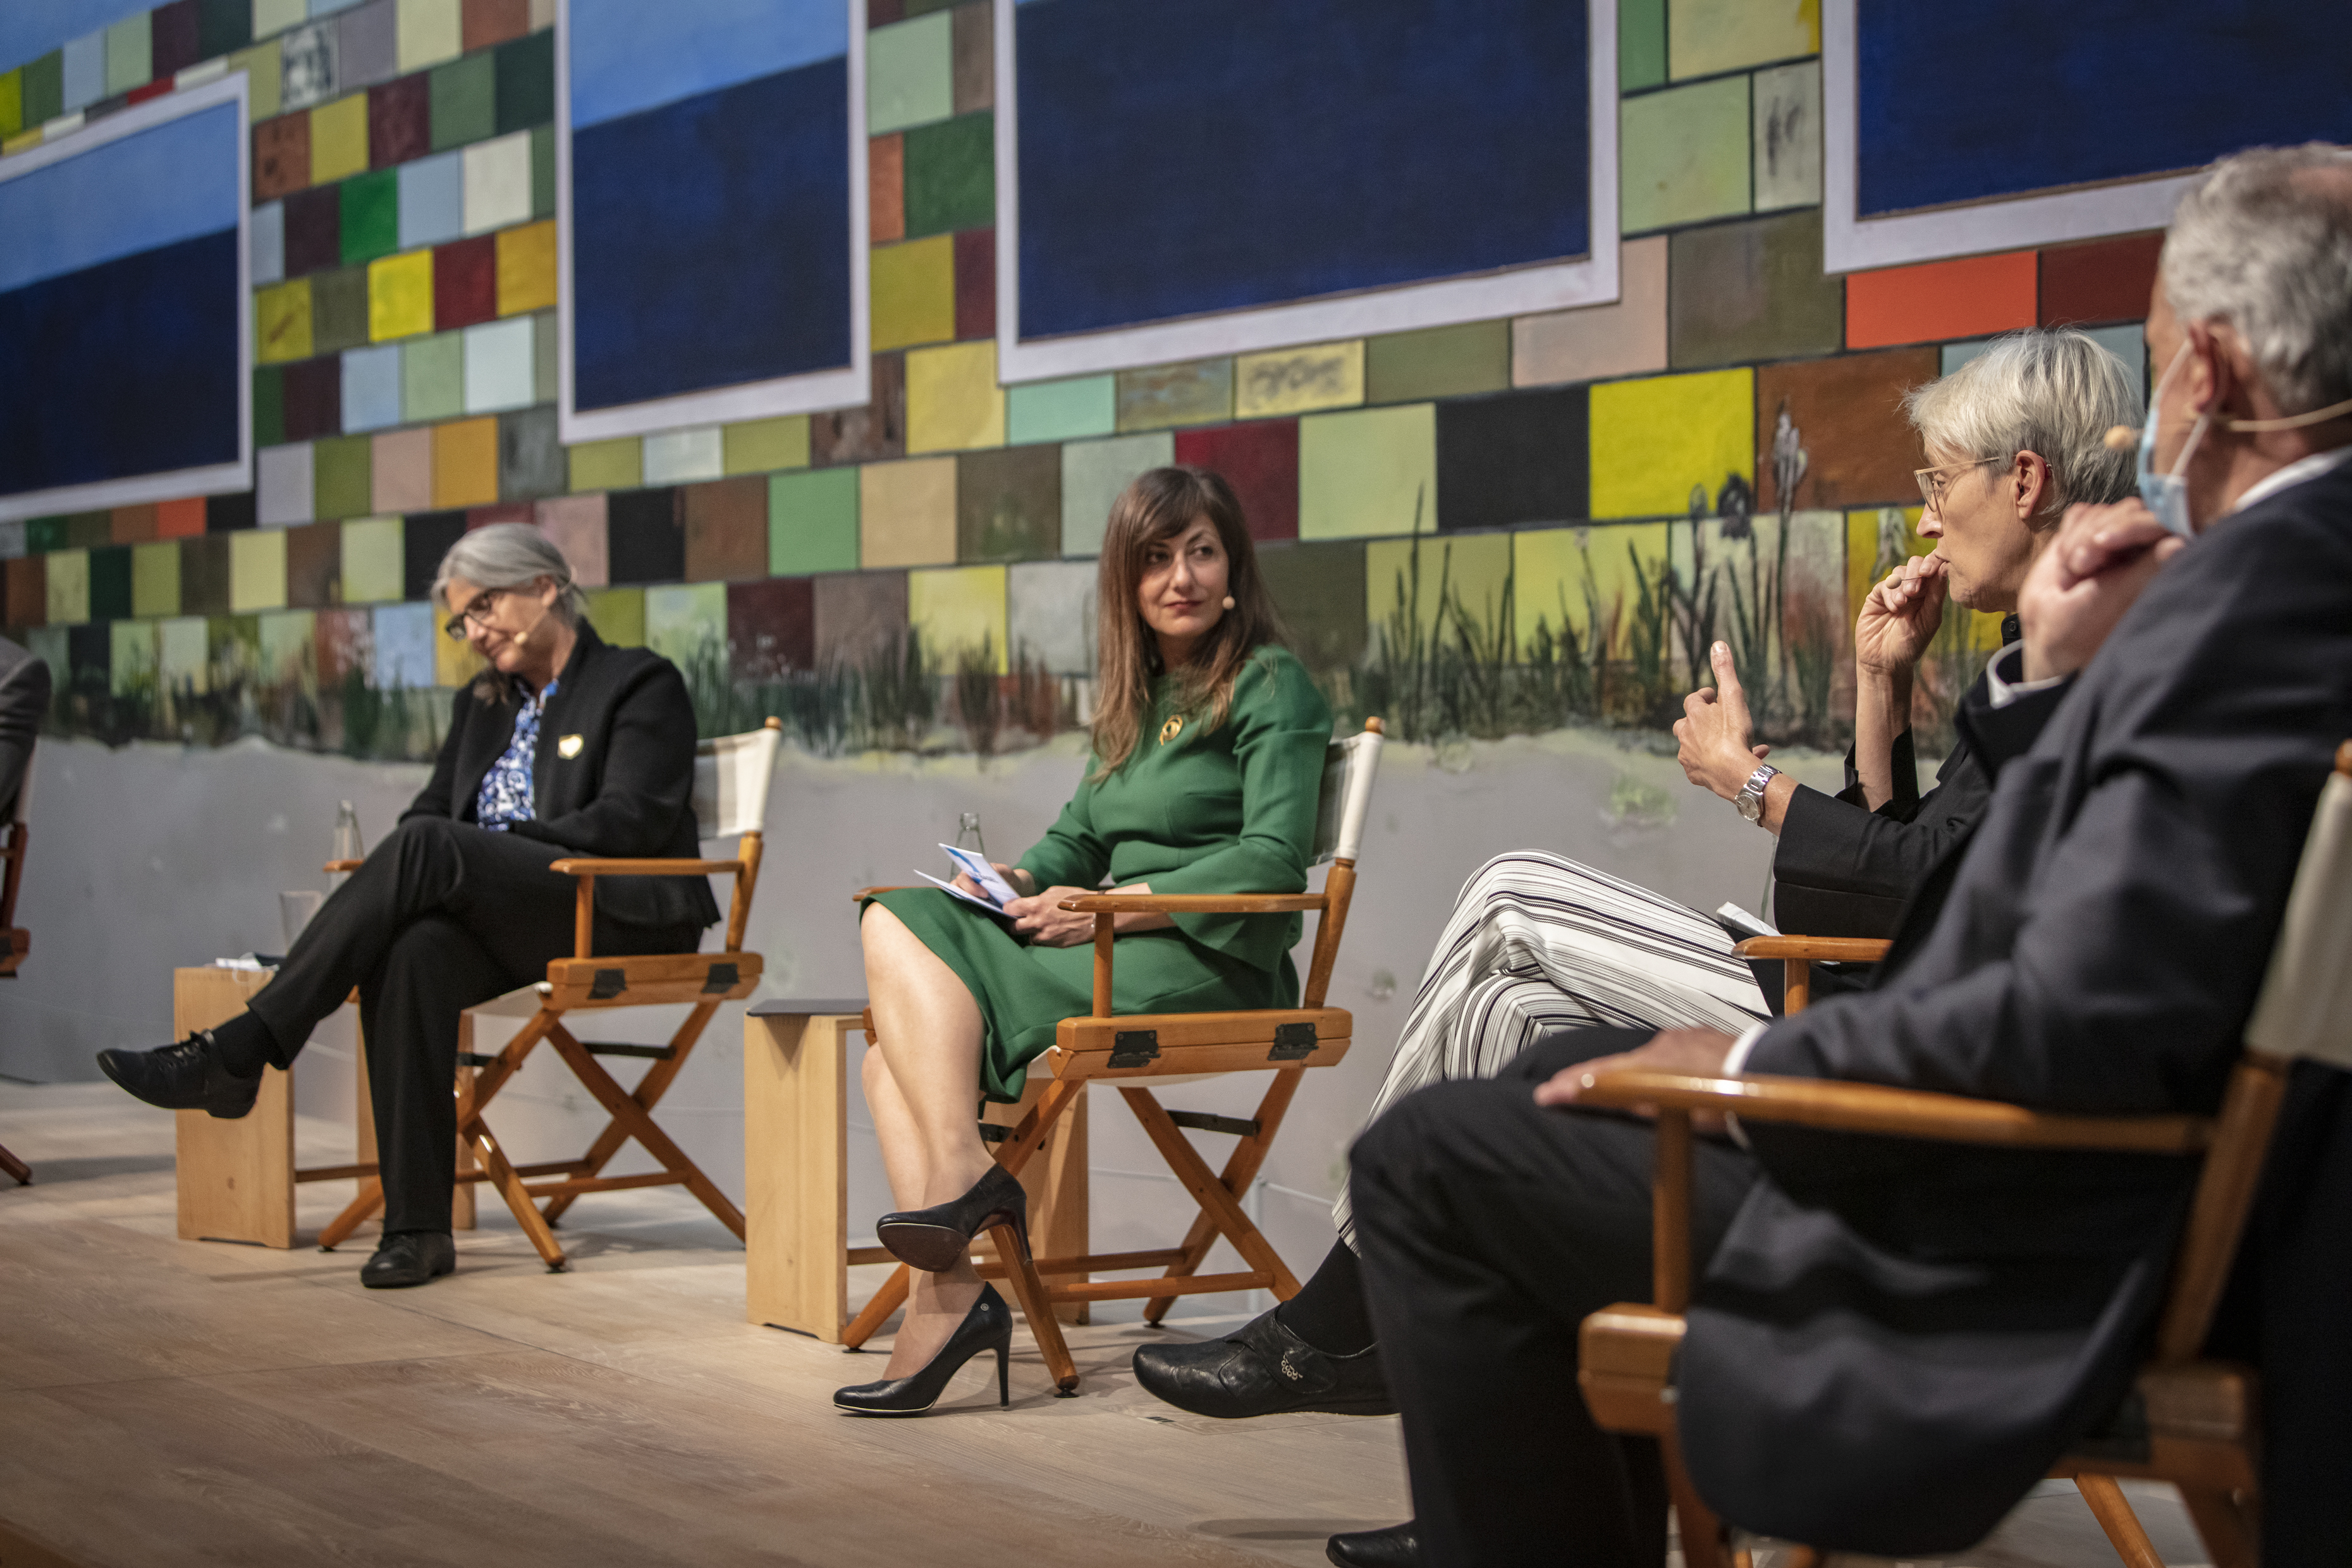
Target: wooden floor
{"x": 165, "y": 1402}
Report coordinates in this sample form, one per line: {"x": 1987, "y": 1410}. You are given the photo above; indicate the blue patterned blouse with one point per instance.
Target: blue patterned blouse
{"x": 506, "y": 794}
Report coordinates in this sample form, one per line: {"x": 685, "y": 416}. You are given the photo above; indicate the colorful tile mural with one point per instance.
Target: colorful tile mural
{"x": 1476, "y": 529}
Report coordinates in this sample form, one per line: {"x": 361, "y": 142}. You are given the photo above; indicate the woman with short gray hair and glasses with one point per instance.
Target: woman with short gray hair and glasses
{"x": 562, "y": 745}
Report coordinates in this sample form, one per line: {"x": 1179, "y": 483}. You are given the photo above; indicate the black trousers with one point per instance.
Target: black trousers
{"x": 443, "y": 915}
{"x": 1489, "y": 1228}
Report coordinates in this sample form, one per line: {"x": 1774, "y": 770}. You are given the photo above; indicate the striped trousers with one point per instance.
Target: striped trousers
{"x": 1536, "y": 943}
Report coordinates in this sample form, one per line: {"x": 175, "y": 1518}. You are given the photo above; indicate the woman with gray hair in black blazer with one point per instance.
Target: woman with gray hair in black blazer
{"x": 564, "y": 745}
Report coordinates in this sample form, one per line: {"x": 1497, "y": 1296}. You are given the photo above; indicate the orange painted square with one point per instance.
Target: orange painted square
{"x": 487, "y": 22}
{"x": 1940, "y": 300}
{"x": 885, "y": 186}
{"x": 179, "y": 519}
{"x": 465, "y": 463}
{"x": 28, "y": 591}
{"x": 2105, "y": 280}
{"x": 281, "y": 156}
{"x": 133, "y": 524}
{"x": 527, "y": 267}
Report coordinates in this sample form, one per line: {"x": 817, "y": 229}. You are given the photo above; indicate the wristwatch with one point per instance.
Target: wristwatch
{"x": 1750, "y": 798}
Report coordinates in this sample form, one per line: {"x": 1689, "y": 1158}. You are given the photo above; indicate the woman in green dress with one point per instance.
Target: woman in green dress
{"x": 1208, "y": 759}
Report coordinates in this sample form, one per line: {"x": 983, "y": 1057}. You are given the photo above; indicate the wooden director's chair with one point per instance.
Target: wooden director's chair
{"x": 15, "y": 940}
{"x": 2201, "y": 1423}
{"x": 731, "y": 799}
{"x": 1162, "y": 1050}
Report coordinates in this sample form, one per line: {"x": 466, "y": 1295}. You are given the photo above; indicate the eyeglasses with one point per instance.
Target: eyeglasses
{"x": 478, "y": 612}
{"x": 1933, "y": 483}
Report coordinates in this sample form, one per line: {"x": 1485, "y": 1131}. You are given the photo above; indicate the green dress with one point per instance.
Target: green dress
{"x": 1229, "y": 810}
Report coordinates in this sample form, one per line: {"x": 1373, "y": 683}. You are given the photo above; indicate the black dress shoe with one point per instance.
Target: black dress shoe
{"x": 1262, "y": 1371}
{"x": 937, "y": 1238}
{"x": 987, "y": 1327}
{"x": 1398, "y": 1546}
{"x": 409, "y": 1257}
{"x": 186, "y": 1076}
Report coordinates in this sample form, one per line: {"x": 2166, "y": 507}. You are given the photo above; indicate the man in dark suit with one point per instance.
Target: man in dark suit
{"x": 1891, "y": 1342}
{"x": 564, "y": 746}
{"x": 24, "y": 703}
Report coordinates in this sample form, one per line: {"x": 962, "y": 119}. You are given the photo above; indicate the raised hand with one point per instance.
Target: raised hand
{"x": 1900, "y": 616}
{"x": 2095, "y": 570}
{"x": 1715, "y": 736}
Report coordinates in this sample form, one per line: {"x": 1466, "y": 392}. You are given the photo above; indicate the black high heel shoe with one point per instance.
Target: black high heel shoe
{"x": 935, "y": 1239}
{"x": 988, "y": 1326}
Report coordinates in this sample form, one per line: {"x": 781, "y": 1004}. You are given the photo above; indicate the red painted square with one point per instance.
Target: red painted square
{"x": 171, "y": 32}
{"x": 466, "y": 282}
{"x": 314, "y": 230}
{"x": 487, "y": 22}
{"x": 2105, "y": 280}
{"x": 179, "y": 519}
{"x": 1260, "y": 460}
{"x": 975, "y": 283}
{"x": 28, "y": 591}
{"x": 153, "y": 89}
{"x": 314, "y": 398}
{"x": 771, "y": 628}
{"x": 500, "y": 512}
{"x": 400, "y": 121}
{"x": 1940, "y": 301}
{"x": 882, "y": 12}
{"x": 281, "y": 156}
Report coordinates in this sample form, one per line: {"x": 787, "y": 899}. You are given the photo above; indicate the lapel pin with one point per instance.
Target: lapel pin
{"x": 569, "y": 747}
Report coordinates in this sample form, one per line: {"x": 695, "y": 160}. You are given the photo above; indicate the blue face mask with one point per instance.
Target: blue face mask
{"x": 2167, "y": 495}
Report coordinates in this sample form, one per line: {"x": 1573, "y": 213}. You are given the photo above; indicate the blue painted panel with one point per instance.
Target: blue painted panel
{"x": 711, "y": 241}
{"x": 138, "y": 373}
{"x": 1177, "y": 160}
{"x": 31, "y": 28}
{"x": 1998, "y": 98}
{"x": 623, "y": 63}
{"x": 154, "y": 188}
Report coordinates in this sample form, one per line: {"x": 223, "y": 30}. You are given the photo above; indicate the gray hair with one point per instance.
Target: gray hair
{"x": 509, "y": 555}
{"x": 2259, "y": 243}
{"x": 2053, "y": 393}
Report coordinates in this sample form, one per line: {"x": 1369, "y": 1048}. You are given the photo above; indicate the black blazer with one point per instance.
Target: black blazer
{"x": 626, "y": 792}
{"x": 1895, "y": 1341}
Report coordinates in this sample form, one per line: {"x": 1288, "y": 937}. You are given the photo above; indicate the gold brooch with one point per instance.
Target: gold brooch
{"x": 569, "y": 747}
{"x": 1170, "y": 730}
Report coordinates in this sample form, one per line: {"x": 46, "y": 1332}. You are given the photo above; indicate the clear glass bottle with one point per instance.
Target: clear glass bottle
{"x": 968, "y": 833}
{"x": 349, "y": 845}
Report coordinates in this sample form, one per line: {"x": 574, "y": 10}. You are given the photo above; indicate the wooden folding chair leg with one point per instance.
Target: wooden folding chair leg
{"x": 628, "y": 1114}
{"x": 510, "y": 1187}
{"x": 1701, "y": 1532}
{"x": 2222, "y": 1523}
{"x": 2113, "y": 1512}
{"x": 355, "y": 1213}
{"x": 16, "y": 1168}
{"x": 1216, "y": 1203}
{"x": 647, "y": 1094}
{"x": 1021, "y": 1273}
{"x": 1241, "y": 1170}
{"x": 877, "y": 1312}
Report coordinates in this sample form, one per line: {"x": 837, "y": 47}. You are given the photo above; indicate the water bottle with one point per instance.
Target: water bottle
{"x": 348, "y": 843}
{"x": 968, "y": 833}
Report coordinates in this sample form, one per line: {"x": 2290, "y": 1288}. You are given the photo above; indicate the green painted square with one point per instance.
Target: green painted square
{"x": 223, "y": 26}
{"x": 542, "y": 171}
{"x": 44, "y": 534}
{"x": 12, "y": 103}
{"x": 130, "y": 53}
{"x": 44, "y": 88}
{"x": 1738, "y": 292}
{"x": 526, "y": 81}
{"x": 341, "y": 476}
{"x": 909, "y": 73}
{"x": 338, "y": 310}
{"x": 464, "y": 96}
{"x": 110, "y": 584}
{"x": 370, "y": 216}
{"x": 269, "y": 405}
{"x": 1367, "y": 471}
{"x": 433, "y": 377}
{"x": 951, "y": 175}
{"x": 1682, "y": 155}
{"x": 1641, "y": 44}
{"x": 618, "y": 615}
{"x": 1438, "y": 361}
{"x": 375, "y": 551}
{"x": 686, "y": 622}
{"x": 812, "y": 521}
{"x": 1197, "y": 392}
{"x": 1062, "y": 410}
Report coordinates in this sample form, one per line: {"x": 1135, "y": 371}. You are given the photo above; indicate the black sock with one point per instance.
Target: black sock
{"x": 1329, "y": 1312}
{"x": 245, "y": 1044}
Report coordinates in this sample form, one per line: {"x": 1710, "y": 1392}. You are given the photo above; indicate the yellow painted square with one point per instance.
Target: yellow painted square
{"x": 1655, "y": 440}
{"x": 400, "y": 296}
{"x": 763, "y": 446}
{"x": 1298, "y": 381}
{"x": 958, "y": 613}
{"x": 1874, "y": 536}
{"x": 24, "y": 142}
{"x": 1466, "y": 569}
{"x": 1369, "y": 472}
{"x": 339, "y": 139}
{"x": 465, "y": 463}
{"x": 373, "y": 559}
{"x": 1588, "y": 576}
{"x": 455, "y": 662}
{"x": 907, "y": 514}
{"x": 954, "y": 403}
{"x": 155, "y": 578}
{"x": 67, "y": 581}
{"x": 527, "y": 269}
{"x": 1703, "y": 37}
{"x": 618, "y": 614}
{"x": 429, "y": 31}
{"x": 256, "y": 570}
{"x": 614, "y": 465}
{"x": 281, "y": 321}
{"x": 914, "y": 292}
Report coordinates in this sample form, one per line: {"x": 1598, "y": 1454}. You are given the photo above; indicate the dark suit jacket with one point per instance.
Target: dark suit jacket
{"x": 1896, "y": 1339}
{"x": 24, "y": 703}
{"x": 627, "y": 792}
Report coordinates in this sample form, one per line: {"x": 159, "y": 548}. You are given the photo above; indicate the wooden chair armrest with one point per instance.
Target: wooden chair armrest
{"x": 1191, "y": 903}
{"x": 1816, "y": 948}
{"x": 334, "y": 867}
{"x": 862, "y": 894}
{"x": 594, "y": 868}
{"x": 1898, "y": 1112}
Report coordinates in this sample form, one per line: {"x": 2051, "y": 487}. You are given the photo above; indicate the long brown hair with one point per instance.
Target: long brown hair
{"x": 1158, "y": 505}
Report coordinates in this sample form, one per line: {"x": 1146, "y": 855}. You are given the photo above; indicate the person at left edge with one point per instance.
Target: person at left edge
{"x": 564, "y": 746}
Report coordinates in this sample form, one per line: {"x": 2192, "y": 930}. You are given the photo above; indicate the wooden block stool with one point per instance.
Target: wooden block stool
{"x": 796, "y": 1169}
